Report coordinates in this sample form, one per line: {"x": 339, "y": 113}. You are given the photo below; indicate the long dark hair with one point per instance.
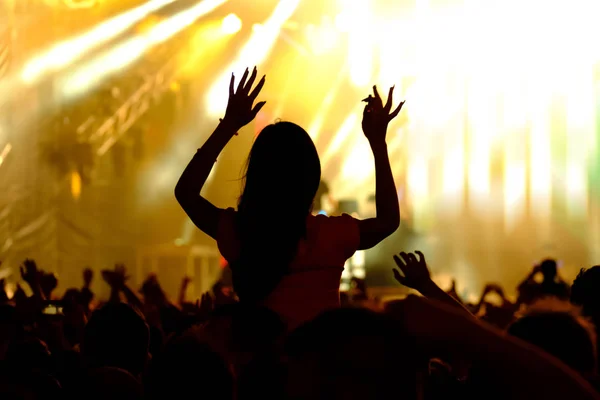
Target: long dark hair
{"x": 281, "y": 180}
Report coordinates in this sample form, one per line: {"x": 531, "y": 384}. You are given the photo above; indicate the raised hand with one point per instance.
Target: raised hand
{"x": 412, "y": 271}
{"x": 205, "y": 305}
{"x": 30, "y": 273}
{"x": 240, "y": 110}
{"x": 376, "y": 116}
{"x": 117, "y": 277}
{"x": 121, "y": 274}
{"x": 88, "y": 275}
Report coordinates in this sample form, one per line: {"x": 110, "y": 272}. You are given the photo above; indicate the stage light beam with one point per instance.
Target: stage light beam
{"x": 71, "y": 50}
{"x": 92, "y": 73}
{"x": 348, "y": 126}
{"x": 254, "y": 52}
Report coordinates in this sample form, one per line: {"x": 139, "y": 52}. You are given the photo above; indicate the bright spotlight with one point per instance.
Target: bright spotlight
{"x": 231, "y": 24}
{"x": 360, "y": 45}
{"x": 342, "y": 22}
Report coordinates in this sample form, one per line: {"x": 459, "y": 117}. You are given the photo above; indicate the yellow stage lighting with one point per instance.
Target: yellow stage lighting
{"x": 254, "y": 52}
{"x": 323, "y": 38}
{"x": 75, "y": 185}
{"x": 71, "y": 50}
{"x": 358, "y": 165}
{"x": 515, "y": 182}
{"x": 342, "y": 22}
{"x": 350, "y": 125}
{"x": 5, "y": 152}
{"x": 418, "y": 181}
{"x": 132, "y": 49}
{"x": 231, "y": 24}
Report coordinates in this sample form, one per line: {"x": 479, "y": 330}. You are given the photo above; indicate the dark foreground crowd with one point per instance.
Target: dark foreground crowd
{"x": 139, "y": 344}
{"x": 281, "y": 330}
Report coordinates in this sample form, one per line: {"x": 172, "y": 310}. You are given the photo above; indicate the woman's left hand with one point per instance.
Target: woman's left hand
{"x": 377, "y": 116}
{"x": 240, "y": 110}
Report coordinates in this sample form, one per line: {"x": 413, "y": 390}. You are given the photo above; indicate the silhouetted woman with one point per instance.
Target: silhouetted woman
{"x": 281, "y": 255}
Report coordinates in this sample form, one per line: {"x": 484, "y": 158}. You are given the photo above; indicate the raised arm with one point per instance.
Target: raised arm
{"x": 413, "y": 272}
{"x": 376, "y": 118}
{"x": 240, "y": 112}
{"x": 524, "y": 370}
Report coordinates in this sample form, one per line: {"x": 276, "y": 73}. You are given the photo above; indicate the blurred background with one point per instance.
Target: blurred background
{"x": 103, "y": 103}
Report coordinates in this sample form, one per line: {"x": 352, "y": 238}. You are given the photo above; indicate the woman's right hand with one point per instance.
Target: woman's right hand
{"x": 240, "y": 111}
{"x": 412, "y": 272}
{"x": 376, "y": 116}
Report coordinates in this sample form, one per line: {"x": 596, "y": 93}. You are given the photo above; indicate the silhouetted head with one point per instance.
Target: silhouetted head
{"x": 186, "y": 366}
{"x": 19, "y": 384}
{"x": 558, "y": 328}
{"x": 116, "y": 336}
{"x": 585, "y": 293}
{"x": 350, "y": 353}
{"x": 281, "y": 181}
{"x": 30, "y": 353}
{"x": 549, "y": 269}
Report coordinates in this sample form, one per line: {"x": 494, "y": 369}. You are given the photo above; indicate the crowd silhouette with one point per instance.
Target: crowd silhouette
{"x": 279, "y": 328}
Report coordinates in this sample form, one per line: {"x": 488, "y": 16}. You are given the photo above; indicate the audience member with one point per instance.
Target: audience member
{"x": 277, "y": 326}
{"x": 558, "y": 328}
{"x": 282, "y": 256}
{"x": 551, "y": 286}
{"x": 189, "y": 366}
{"x": 116, "y": 336}
{"x": 585, "y": 293}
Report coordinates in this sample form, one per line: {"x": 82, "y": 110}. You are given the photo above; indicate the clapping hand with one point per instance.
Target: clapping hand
{"x": 412, "y": 271}
{"x": 240, "y": 110}
{"x": 376, "y": 116}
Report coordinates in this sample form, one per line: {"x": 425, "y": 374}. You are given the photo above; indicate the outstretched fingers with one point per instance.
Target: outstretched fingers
{"x": 257, "y": 108}
{"x": 399, "y": 262}
{"x": 242, "y": 81}
{"x": 421, "y": 256}
{"x": 394, "y": 114}
{"x": 409, "y": 258}
{"x": 258, "y": 88}
{"x": 388, "y": 103}
{"x": 398, "y": 276}
{"x": 231, "y": 85}
{"x": 377, "y": 98}
{"x": 250, "y": 82}
{"x": 405, "y": 256}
